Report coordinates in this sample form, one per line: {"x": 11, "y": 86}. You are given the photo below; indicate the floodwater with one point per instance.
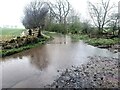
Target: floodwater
{"x": 40, "y": 66}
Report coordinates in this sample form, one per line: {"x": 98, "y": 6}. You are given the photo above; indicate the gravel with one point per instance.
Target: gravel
{"x": 98, "y": 72}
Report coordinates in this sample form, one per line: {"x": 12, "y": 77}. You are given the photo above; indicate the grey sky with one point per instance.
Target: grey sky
{"x": 11, "y": 11}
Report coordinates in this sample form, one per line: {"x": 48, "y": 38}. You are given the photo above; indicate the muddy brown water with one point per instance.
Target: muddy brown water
{"x": 40, "y": 66}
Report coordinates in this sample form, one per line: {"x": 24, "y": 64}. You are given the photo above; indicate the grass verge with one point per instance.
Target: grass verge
{"x": 9, "y": 52}
{"x": 95, "y": 41}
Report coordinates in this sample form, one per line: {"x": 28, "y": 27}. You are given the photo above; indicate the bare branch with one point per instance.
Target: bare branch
{"x": 99, "y": 14}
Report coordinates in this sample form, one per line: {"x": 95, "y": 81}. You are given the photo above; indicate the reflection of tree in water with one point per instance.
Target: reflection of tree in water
{"x": 64, "y": 39}
{"x": 39, "y": 55}
{"x": 39, "y": 58}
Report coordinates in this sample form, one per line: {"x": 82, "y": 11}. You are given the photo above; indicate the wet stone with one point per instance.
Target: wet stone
{"x": 90, "y": 75}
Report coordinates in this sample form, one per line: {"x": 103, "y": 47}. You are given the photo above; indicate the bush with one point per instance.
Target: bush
{"x": 86, "y": 28}
{"x": 59, "y": 28}
{"x": 74, "y": 28}
{"x": 95, "y": 41}
{"x": 77, "y": 37}
{"x": 102, "y": 41}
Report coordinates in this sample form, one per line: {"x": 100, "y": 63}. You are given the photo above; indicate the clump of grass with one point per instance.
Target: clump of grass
{"x": 77, "y": 37}
{"x": 95, "y": 41}
{"x": 102, "y": 41}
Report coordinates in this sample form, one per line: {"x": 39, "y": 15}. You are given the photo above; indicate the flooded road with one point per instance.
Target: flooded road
{"x": 40, "y": 66}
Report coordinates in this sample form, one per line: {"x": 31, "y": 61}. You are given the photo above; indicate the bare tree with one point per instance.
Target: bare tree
{"x": 50, "y": 18}
{"x": 114, "y": 22}
{"x": 35, "y": 14}
{"x": 60, "y": 10}
{"x": 99, "y": 13}
{"x": 86, "y": 26}
{"x": 73, "y": 16}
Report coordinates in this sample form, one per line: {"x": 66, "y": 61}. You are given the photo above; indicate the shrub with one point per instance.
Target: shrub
{"x": 56, "y": 28}
{"x": 74, "y": 28}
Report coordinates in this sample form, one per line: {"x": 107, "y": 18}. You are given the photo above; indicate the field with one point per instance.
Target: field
{"x": 8, "y": 33}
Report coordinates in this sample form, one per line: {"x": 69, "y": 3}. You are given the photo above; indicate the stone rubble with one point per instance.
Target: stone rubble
{"x": 98, "y": 72}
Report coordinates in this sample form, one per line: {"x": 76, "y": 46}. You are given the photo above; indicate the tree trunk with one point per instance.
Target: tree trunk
{"x": 65, "y": 25}
{"x": 39, "y": 33}
{"x": 30, "y": 32}
{"x": 119, "y": 33}
{"x": 99, "y": 32}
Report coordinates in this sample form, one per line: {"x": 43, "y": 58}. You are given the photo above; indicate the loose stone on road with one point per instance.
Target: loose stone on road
{"x": 99, "y": 72}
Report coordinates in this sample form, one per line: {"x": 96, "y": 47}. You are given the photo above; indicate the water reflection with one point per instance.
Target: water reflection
{"x": 39, "y": 58}
{"x": 61, "y": 40}
{"x": 40, "y": 64}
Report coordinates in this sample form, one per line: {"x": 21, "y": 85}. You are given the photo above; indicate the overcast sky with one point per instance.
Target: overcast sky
{"x": 11, "y": 11}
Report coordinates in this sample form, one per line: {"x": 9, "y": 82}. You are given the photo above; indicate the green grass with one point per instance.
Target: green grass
{"x": 11, "y": 31}
{"x": 8, "y": 33}
{"x": 102, "y": 41}
{"x": 77, "y": 37}
{"x": 95, "y": 41}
